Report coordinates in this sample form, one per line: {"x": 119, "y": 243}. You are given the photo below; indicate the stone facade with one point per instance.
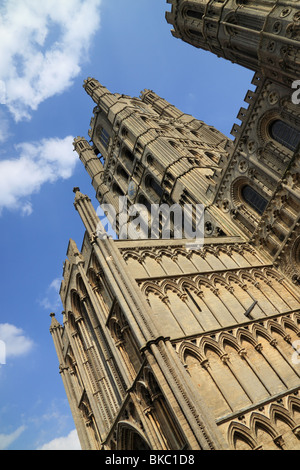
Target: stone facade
{"x": 164, "y": 346}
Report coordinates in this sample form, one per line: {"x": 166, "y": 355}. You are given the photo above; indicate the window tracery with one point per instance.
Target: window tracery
{"x": 285, "y": 134}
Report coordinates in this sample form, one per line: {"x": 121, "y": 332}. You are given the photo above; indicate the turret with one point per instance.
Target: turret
{"x": 262, "y": 35}
{"x": 56, "y": 333}
{"x": 92, "y": 160}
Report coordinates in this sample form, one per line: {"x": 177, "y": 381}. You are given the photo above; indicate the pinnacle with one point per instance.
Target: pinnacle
{"x": 54, "y": 322}
{"x": 78, "y": 194}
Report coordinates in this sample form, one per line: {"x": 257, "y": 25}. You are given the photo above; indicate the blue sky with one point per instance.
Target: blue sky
{"x": 47, "y": 49}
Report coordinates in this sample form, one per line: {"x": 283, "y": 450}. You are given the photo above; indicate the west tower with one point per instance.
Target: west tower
{"x": 166, "y": 347}
{"x": 153, "y": 153}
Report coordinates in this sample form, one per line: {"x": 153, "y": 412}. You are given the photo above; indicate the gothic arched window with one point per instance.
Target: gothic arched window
{"x": 254, "y": 199}
{"x": 103, "y": 137}
{"x": 285, "y": 134}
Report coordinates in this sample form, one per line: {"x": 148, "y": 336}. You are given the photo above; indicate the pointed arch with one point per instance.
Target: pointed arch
{"x": 239, "y": 432}
{"x": 296, "y": 317}
{"x": 207, "y": 375}
{"x": 165, "y": 252}
{"x": 234, "y": 278}
{"x": 209, "y": 343}
{"x": 132, "y": 255}
{"x": 293, "y": 404}
{"x": 269, "y": 272}
{"x": 81, "y": 286}
{"x": 258, "y": 329}
{"x": 189, "y": 348}
{"x": 100, "y": 289}
{"x": 151, "y": 287}
{"x": 248, "y": 276}
{"x": 210, "y": 254}
{"x": 92, "y": 277}
{"x": 207, "y": 249}
{"x": 76, "y": 304}
{"x": 243, "y": 334}
{"x": 277, "y": 411}
{"x": 181, "y": 251}
{"x": 169, "y": 263}
{"x": 273, "y": 325}
{"x": 71, "y": 321}
{"x": 205, "y": 282}
{"x": 188, "y": 284}
{"x": 260, "y": 274}
{"x": 115, "y": 328}
{"x": 217, "y": 278}
{"x": 143, "y": 393}
{"x": 260, "y": 421}
{"x": 277, "y": 295}
{"x": 148, "y": 254}
{"x": 168, "y": 284}
{"x": 227, "y": 338}
{"x": 130, "y": 437}
{"x": 289, "y": 323}
{"x": 151, "y": 263}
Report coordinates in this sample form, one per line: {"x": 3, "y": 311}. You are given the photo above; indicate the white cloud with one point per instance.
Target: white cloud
{"x": 2, "y": 92}
{"x": 7, "y": 439}
{"x": 16, "y": 342}
{"x": 42, "y": 46}
{"x": 4, "y": 126}
{"x": 40, "y": 162}
{"x": 70, "y": 442}
{"x": 55, "y": 284}
{"x": 51, "y": 301}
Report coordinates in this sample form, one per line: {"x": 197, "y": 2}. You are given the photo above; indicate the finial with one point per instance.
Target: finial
{"x": 54, "y": 323}
{"x": 76, "y": 190}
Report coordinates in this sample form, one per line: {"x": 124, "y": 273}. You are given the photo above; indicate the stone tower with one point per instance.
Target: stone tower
{"x": 167, "y": 347}
{"x": 262, "y": 36}
{"x": 152, "y": 153}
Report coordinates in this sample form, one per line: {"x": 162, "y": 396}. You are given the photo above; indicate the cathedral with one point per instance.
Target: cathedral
{"x": 165, "y": 345}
